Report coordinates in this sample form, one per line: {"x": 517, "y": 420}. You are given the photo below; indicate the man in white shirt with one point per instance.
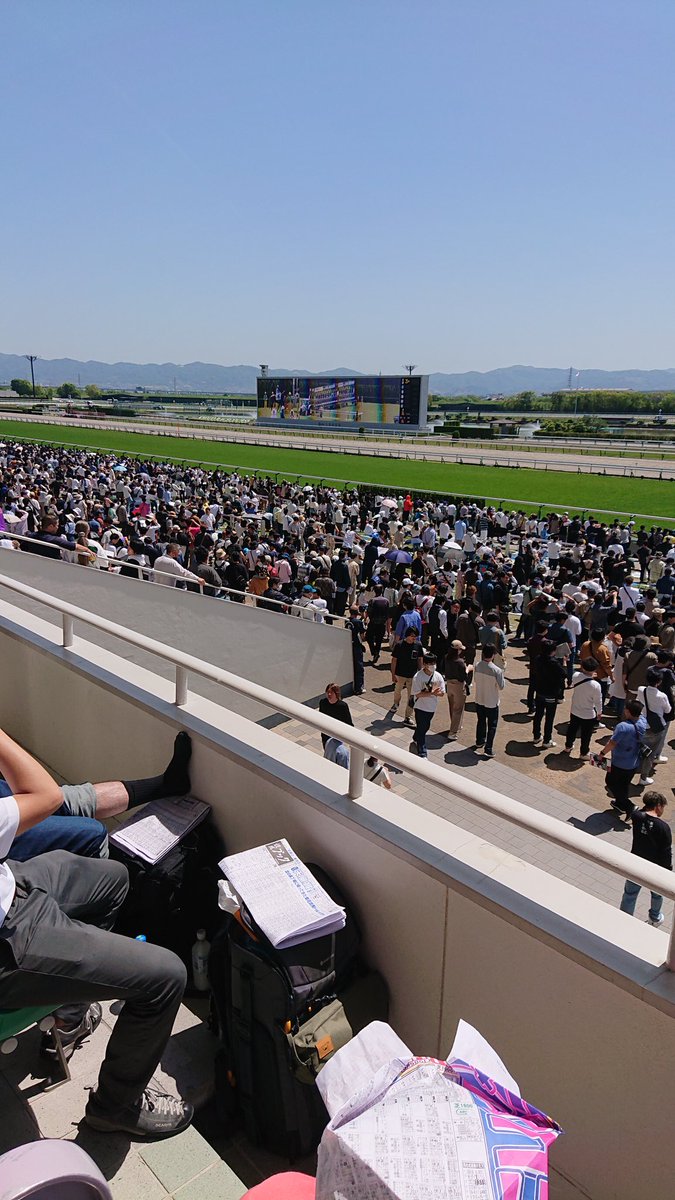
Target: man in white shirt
{"x": 428, "y": 686}
{"x": 628, "y": 593}
{"x": 489, "y": 683}
{"x": 586, "y": 706}
{"x": 168, "y": 570}
{"x": 56, "y": 912}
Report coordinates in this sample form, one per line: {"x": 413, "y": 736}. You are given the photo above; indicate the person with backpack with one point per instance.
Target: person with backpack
{"x": 491, "y": 634}
{"x": 658, "y": 714}
{"x": 409, "y": 619}
{"x": 652, "y": 842}
{"x": 636, "y": 664}
{"x": 626, "y": 747}
{"x": 585, "y": 708}
{"x": 467, "y": 629}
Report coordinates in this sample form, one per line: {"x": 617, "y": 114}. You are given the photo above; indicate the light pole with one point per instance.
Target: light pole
{"x": 264, "y": 368}
{"x": 31, "y": 358}
{"x": 409, "y": 368}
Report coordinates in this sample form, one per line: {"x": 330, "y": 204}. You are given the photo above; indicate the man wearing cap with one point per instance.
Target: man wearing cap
{"x": 304, "y": 605}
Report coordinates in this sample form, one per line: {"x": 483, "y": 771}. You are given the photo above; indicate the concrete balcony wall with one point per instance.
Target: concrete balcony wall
{"x": 572, "y": 993}
{"x": 293, "y": 656}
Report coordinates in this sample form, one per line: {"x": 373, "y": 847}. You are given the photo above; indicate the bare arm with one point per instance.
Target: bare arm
{"x": 36, "y": 794}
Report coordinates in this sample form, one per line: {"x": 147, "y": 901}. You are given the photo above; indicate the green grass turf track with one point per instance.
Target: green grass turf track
{"x": 560, "y": 489}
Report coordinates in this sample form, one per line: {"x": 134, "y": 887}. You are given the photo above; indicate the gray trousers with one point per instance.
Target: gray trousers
{"x": 56, "y": 948}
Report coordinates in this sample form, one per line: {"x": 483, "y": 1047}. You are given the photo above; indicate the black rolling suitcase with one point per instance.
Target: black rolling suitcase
{"x": 169, "y": 901}
{"x": 280, "y": 1015}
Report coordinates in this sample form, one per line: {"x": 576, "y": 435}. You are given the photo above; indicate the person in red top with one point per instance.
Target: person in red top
{"x": 407, "y": 507}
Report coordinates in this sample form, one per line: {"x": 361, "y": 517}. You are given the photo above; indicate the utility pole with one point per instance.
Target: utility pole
{"x": 31, "y": 358}
{"x": 409, "y": 368}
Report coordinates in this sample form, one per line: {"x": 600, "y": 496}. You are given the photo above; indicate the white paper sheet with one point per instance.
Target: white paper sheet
{"x": 283, "y": 896}
{"x": 471, "y": 1047}
{"x": 154, "y": 830}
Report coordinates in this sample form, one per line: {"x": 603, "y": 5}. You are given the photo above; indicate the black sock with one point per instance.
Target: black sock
{"x": 174, "y": 782}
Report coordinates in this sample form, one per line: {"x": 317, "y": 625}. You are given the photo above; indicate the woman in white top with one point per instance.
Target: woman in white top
{"x": 658, "y": 712}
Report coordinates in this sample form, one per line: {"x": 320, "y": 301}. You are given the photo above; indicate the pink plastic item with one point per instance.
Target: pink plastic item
{"x": 288, "y": 1186}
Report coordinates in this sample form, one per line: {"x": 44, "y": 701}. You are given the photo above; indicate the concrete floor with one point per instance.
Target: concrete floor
{"x": 562, "y": 786}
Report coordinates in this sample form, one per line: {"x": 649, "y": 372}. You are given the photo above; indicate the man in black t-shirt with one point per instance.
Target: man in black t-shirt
{"x": 652, "y": 841}
{"x": 406, "y": 661}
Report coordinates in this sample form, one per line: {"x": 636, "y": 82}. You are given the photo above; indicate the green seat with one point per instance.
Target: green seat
{"x": 15, "y": 1020}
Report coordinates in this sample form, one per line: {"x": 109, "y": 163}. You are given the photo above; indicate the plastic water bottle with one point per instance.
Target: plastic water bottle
{"x": 200, "y": 962}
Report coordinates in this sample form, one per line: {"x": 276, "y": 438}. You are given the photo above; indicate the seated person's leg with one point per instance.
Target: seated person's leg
{"x": 74, "y": 826}
{"x": 55, "y": 948}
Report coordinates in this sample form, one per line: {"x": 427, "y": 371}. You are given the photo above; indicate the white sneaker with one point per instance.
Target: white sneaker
{"x": 656, "y": 920}
{"x": 645, "y": 782}
{"x": 663, "y": 758}
{"x": 549, "y": 745}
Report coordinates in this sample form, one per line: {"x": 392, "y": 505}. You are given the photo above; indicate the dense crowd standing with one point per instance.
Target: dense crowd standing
{"x": 444, "y": 587}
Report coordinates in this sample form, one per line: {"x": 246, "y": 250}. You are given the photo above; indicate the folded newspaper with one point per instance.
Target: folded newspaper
{"x": 282, "y": 895}
{"x": 407, "y": 1128}
{"x": 152, "y": 831}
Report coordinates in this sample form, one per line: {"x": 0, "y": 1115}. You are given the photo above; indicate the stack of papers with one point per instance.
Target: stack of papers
{"x": 282, "y": 896}
{"x": 403, "y": 1127}
{"x": 154, "y": 830}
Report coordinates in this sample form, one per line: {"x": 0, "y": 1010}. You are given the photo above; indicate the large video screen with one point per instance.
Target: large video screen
{"x": 365, "y": 400}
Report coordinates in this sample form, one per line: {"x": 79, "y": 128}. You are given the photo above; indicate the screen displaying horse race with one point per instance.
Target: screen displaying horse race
{"x": 364, "y": 400}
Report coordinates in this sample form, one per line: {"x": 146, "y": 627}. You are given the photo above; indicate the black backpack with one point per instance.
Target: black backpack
{"x": 170, "y": 901}
{"x": 262, "y": 999}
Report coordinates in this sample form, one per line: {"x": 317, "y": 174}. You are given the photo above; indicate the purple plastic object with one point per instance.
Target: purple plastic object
{"x": 51, "y": 1170}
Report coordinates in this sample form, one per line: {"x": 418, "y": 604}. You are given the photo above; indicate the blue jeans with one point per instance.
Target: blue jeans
{"x": 422, "y": 722}
{"x": 67, "y": 829}
{"x": 486, "y": 726}
{"x": 631, "y": 892}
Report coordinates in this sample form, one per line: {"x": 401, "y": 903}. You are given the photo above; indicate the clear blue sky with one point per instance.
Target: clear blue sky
{"x": 463, "y": 184}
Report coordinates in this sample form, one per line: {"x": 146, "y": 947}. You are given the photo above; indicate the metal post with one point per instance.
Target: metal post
{"x": 181, "y": 686}
{"x": 356, "y": 760}
{"x": 68, "y": 634}
{"x": 670, "y": 961}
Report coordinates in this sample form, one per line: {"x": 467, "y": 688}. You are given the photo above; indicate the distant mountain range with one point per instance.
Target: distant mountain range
{"x": 212, "y": 377}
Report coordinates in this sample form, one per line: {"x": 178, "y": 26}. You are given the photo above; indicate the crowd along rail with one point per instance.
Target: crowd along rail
{"x": 251, "y": 598}
{"x": 385, "y": 489}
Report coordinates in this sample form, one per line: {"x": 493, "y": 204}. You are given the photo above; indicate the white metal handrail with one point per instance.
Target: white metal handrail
{"x": 619, "y": 861}
{"x": 110, "y": 570}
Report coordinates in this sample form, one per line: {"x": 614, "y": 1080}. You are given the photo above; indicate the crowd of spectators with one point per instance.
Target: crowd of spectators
{"x": 590, "y": 601}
